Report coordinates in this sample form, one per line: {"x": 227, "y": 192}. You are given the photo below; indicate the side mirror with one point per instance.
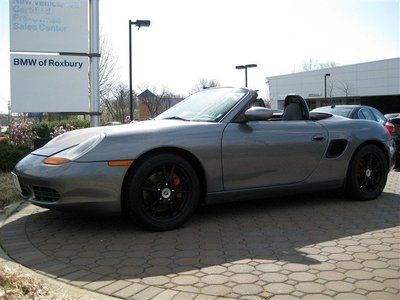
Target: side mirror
{"x": 258, "y": 114}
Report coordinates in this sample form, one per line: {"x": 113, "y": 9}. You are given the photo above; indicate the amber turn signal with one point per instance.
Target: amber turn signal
{"x": 120, "y": 163}
{"x": 56, "y": 160}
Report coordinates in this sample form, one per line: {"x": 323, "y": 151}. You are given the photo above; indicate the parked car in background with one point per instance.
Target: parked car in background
{"x": 392, "y": 115}
{"x": 390, "y": 121}
{"x": 113, "y": 123}
{"x": 394, "y": 119}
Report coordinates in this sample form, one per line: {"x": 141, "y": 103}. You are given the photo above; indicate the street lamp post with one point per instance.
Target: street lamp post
{"x": 138, "y": 23}
{"x": 245, "y": 67}
{"x": 326, "y": 75}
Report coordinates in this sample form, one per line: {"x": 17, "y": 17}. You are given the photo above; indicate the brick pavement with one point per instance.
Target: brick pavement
{"x": 309, "y": 247}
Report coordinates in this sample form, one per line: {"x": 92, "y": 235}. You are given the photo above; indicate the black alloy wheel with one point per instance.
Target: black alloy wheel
{"x": 163, "y": 192}
{"x": 370, "y": 171}
{"x": 367, "y": 173}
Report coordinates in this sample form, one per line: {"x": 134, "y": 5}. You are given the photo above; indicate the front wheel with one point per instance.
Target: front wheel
{"x": 367, "y": 173}
{"x": 162, "y": 192}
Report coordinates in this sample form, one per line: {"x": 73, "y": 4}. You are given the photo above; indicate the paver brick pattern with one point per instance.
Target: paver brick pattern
{"x": 312, "y": 246}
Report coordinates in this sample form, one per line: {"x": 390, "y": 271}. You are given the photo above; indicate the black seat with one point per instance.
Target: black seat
{"x": 295, "y": 109}
{"x": 292, "y": 112}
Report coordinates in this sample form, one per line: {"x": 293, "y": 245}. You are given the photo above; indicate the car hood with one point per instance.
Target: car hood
{"x": 75, "y": 137}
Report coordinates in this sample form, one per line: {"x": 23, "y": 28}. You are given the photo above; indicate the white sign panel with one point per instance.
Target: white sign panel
{"x": 49, "y": 83}
{"x": 49, "y": 25}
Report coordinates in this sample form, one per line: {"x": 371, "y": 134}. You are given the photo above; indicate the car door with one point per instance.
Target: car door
{"x": 268, "y": 153}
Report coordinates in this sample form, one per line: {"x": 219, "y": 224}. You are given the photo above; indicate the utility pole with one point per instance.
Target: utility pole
{"x": 245, "y": 67}
{"x": 138, "y": 23}
{"x": 326, "y": 75}
{"x": 130, "y": 74}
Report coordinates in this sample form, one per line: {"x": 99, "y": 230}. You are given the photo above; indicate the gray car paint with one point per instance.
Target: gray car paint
{"x": 240, "y": 160}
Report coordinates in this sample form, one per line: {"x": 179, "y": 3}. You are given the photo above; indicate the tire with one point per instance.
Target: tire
{"x": 163, "y": 192}
{"x": 367, "y": 174}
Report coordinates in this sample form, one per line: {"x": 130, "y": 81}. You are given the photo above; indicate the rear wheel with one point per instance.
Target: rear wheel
{"x": 367, "y": 173}
{"x": 163, "y": 192}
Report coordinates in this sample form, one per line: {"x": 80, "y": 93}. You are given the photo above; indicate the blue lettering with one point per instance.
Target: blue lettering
{"x": 24, "y": 61}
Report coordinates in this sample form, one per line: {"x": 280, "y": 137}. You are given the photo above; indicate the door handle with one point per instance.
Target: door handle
{"x": 318, "y": 138}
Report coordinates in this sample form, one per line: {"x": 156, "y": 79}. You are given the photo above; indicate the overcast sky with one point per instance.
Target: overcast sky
{"x": 193, "y": 39}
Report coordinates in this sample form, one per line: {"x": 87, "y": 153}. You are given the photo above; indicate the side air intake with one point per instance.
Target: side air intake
{"x": 336, "y": 147}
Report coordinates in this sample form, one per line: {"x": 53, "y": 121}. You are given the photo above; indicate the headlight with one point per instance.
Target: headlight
{"x": 73, "y": 153}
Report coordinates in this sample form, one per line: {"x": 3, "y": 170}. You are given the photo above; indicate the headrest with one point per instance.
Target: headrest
{"x": 291, "y": 98}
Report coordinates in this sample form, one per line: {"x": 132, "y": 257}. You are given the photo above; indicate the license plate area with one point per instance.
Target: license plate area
{"x": 16, "y": 182}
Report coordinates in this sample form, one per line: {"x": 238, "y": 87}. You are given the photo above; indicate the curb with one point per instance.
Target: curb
{"x": 54, "y": 285}
{"x": 9, "y": 210}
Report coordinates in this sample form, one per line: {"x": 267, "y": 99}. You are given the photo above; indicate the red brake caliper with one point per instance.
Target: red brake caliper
{"x": 176, "y": 182}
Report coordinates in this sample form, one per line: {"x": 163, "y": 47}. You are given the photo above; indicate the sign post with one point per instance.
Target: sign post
{"x": 49, "y": 83}
{"x": 55, "y": 82}
{"x": 94, "y": 63}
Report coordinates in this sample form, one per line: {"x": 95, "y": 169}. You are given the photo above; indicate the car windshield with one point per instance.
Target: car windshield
{"x": 340, "y": 111}
{"x": 209, "y": 105}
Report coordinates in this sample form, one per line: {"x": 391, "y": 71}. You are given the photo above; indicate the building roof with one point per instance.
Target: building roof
{"x": 341, "y": 67}
{"x": 146, "y": 94}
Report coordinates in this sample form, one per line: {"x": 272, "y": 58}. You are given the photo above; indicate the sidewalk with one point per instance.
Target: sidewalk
{"x": 304, "y": 247}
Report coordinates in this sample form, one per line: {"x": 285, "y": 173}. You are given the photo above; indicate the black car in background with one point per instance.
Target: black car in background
{"x": 390, "y": 121}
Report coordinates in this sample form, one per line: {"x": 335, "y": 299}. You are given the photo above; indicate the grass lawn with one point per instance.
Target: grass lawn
{"x": 8, "y": 193}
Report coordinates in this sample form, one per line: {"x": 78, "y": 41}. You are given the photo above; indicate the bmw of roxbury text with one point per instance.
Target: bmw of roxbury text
{"x": 217, "y": 145}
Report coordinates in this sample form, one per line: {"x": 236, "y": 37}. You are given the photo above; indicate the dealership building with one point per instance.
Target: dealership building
{"x": 375, "y": 83}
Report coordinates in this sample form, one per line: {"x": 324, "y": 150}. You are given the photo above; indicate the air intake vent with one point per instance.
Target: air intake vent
{"x": 45, "y": 194}
{"x": 336, "y": 147}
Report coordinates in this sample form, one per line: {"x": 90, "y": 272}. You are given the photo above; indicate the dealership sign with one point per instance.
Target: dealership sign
{"x": 49, "y": 83}
{"x": 49, "y": 25}
{"x": 46, "y": 82}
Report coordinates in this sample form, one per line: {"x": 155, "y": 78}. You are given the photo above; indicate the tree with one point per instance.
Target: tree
{"x": 117, "y": 107}
{"x": 157, "y": 105}
{"x": 204, "y": 83}
{"x": 108, "y": 79}
{"x": 313, "y": 64}
{"x": 330, "y": 88}
{"x": 344, "y": 87}
{"x": 159, "y": 101}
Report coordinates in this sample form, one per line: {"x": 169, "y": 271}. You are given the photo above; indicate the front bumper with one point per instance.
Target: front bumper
{"x": 78, "y": 186}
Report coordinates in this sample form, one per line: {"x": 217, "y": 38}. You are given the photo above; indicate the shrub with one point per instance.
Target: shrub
{"x": 52, "y": 129}
{"x": 73, "y": 122}
{"x": 23, "y": 132}
{"x": 20, "y": 133}
{"x": 41, "y": 129}
{"x": 10, "y": 155}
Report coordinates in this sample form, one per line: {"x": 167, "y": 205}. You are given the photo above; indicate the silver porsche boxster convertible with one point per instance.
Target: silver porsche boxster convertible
{"x": 217, "y": 145}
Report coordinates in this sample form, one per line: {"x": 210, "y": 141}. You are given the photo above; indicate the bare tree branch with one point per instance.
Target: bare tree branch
{"x": 345, "y": 87}
{"x": 108, "y": 78}
{"x": 161, "y": 100}
{"x": 313, "y": 64}
{"x": 204, "y": 83}
{"x": 117, "y": 107}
